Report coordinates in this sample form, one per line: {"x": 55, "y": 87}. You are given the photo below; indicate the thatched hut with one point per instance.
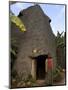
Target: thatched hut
{"x": 35, "y": 43}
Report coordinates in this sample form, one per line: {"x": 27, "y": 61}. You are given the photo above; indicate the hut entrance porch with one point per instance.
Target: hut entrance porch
{"x": 39, "y": 67}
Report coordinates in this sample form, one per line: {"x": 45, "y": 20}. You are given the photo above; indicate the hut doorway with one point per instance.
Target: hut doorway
{"x": 39, "y": 67}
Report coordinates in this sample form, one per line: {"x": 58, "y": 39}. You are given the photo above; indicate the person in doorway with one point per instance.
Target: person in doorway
{"x": 49, "y": 70}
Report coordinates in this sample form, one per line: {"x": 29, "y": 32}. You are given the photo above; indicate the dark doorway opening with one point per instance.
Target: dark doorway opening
{"x": 40, "y": 66}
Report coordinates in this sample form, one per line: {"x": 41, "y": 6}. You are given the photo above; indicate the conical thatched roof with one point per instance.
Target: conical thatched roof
{"x": 38, "y": 36}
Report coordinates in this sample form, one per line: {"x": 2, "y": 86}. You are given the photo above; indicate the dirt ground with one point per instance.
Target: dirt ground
{"x": 61, "y": 82}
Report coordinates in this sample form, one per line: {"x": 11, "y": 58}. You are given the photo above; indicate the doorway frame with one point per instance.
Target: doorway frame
{"x": 34, "y": 68}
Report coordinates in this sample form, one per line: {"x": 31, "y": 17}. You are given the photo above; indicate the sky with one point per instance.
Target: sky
{"x": 55, "y": 12}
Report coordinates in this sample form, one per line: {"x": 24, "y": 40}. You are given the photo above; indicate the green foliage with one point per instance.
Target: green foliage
{"x": 14, "y": 46}
{"x": 57, "y": 74}
{"x": 59, "y": 39}
{"x": 22, "y": 28}
{"x": 14, "y": 74}
{"x": 18, "y": 82}
{"x": 18, "y": 22}
{"x": 13, "y": 52}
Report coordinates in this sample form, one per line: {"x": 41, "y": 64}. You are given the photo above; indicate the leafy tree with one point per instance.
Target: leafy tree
{"x": 60, "y": 42}
{"x": 16, "y": 20}
{"x": 13, "y": 49}
{"x": 59, "y": 39}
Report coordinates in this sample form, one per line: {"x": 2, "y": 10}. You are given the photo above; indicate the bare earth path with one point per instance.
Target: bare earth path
{"x": 42, "y": 82}
{"x": 62, "y": 82}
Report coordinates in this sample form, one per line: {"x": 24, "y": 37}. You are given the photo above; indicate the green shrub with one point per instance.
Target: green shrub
{"x": 57, "y": 74}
